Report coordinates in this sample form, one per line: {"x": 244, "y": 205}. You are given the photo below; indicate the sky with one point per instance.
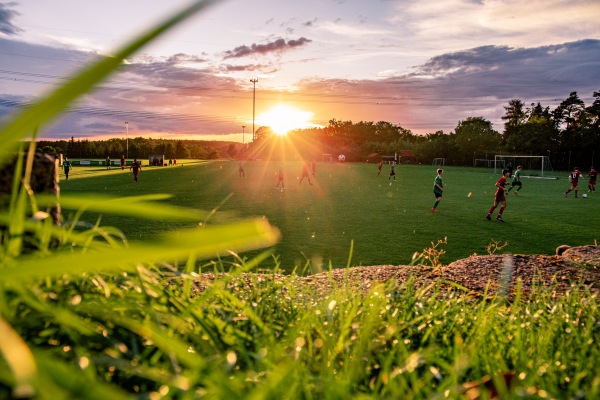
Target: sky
{"x": 422, "y": 65}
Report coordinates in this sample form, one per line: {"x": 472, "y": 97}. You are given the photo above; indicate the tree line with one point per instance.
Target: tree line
{"x": 140, "y": 148}
{"x": 569, "y": 134}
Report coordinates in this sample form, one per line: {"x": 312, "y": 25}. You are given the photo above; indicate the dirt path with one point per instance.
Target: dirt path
{"x": 477, "y": 274}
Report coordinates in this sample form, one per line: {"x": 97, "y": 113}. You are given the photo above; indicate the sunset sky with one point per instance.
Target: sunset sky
{"x": 423, "y": 65}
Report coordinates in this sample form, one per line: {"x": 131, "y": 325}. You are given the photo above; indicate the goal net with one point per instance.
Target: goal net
{"x": 484, "y": 162}
{"x": 439, "y": 161}
{"x": 326, "y": 158}
{"x": 533, "y": 166}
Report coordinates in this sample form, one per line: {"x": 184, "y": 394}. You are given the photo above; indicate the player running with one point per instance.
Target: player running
{"x": 574, "y": 179}
{"x": 379, "y": 166}
{"x": 280, "y": 176}
{"x": 516, "y": 181}
{"x": 137, "y": 167}
{"x": 122, "y": 163}
{"x": 499, "y": 196}
{"x": 67, "y": 167}
{"x": 592, "y": 182}
{"x": 392, "y": 170}
{"x": 305, "y": 174}
{"x": 438, "y": 188}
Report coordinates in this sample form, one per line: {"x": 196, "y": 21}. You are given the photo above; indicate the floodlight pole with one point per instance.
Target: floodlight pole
{"x": 126, "y": 139}
{"x": 253, "y": 80}
{"x": 243, "y": 141}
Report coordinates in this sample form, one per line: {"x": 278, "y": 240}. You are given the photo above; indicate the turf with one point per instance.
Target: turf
{"x": 351, "y": 216}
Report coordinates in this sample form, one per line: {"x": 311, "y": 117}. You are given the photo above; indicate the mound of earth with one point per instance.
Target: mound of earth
{"x": 575, "y": 266}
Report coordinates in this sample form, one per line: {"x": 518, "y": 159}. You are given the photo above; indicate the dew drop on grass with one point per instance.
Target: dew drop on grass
{"x": 231, "y": 358}
{"x": 84, "y": 362}
{"x": 75, "y": 300}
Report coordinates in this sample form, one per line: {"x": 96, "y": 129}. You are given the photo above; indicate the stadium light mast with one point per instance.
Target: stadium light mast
{"x": 243, "y": 141}
{"x": 126, "y": 139}
{"x": 253, "y": 80}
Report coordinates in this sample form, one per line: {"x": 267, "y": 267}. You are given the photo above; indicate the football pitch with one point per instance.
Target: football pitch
{"x": 349, "y": 211}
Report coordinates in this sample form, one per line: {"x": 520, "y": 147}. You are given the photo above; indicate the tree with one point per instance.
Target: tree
{"x": 475, "y": 136}
{"x": 232, "y": 150}
{"x": 263, "y": 133}
{"x": 513, "y": 121}
{"x": 181, "y": 150}
{"x": 515, "y": 114}
{"x": 570, "y": 111}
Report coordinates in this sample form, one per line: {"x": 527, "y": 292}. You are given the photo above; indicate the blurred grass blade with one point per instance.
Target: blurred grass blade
{"x": 135, "y": 206}
{"x": 43, "y": 111}
{"x": 64, "y": 381}
{"x": 203, "y": 243}
{"x": 167, "y": 343}
{"x": 19, "y": 359}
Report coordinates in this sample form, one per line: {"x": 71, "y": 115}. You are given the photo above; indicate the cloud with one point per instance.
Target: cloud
{"x": 6, "y": 16}
{"x": 449, "y": 24}
{"x": 278, "y": 45}
{"x": 352, "y": 30}
{"x": 473, "y": 82}
{"x": 186, "y": 94}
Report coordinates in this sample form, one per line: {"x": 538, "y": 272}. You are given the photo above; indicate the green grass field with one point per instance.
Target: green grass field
{"x": 387, "y": 221}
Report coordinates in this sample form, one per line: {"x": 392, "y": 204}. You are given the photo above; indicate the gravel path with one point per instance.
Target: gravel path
{"x": 477, "y": 274}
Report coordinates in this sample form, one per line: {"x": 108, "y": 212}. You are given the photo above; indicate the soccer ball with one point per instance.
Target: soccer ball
{"x": 584, "y": 196}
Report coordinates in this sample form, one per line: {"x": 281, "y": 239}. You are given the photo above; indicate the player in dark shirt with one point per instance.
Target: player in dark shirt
{"x": 136, "y": 167}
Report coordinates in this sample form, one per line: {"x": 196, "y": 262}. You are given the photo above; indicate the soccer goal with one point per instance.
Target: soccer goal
{"x": 484, "y": 162}
{"x": 326, "y": 158}
{"x": 439, "y": 161}
{"x": 533, "y": 166}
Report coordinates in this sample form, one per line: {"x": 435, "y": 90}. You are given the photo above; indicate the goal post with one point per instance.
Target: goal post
{"x": 533, "y": 166}
{"x": 439, "y": 161}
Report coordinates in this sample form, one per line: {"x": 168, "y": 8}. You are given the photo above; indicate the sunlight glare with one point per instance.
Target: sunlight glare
{"x": 282, "y": 119}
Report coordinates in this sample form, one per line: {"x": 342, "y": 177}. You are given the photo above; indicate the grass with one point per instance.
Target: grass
{"x": 350, "y": 207}
{"x": 87, "y": 313}
{"x": 142, "y": 334}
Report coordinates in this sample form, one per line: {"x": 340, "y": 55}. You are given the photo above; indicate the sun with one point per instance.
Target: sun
{"x": 282, "y": 119}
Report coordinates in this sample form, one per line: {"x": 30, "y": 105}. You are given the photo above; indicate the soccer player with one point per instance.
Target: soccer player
{"x": 241, "y": 170}
{"x": 67, "y": 167}
{"x": 305, "y": 173}
{"x": 379, "y": 166}
{"x": 107, "y": 162}
{"x": 122, "y": 163}
{"x": 592, "y": 182}
{"x": 516, "y": 181}
{"x": 499, "y": 196}
{"x": 280, "y": 175}
{"x": 438, "y": 188}
{"x": 393, "y": 170}
{"x": 137, "y": 167}
{"x": 509, "y": 168}
{"x": 574, "y": 179}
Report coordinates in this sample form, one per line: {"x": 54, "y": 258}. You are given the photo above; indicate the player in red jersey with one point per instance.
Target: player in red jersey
{"x": 499, "y": 196}
{"x": 137, "y": 167}
{"x": 592, "y": 182}
{"x": 574, "y": 179}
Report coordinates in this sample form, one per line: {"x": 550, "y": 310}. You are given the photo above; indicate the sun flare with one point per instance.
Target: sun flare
{"x": 282, "y": 119}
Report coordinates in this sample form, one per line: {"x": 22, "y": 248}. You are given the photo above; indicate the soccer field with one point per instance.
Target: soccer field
{"x": 388, "y": 221}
